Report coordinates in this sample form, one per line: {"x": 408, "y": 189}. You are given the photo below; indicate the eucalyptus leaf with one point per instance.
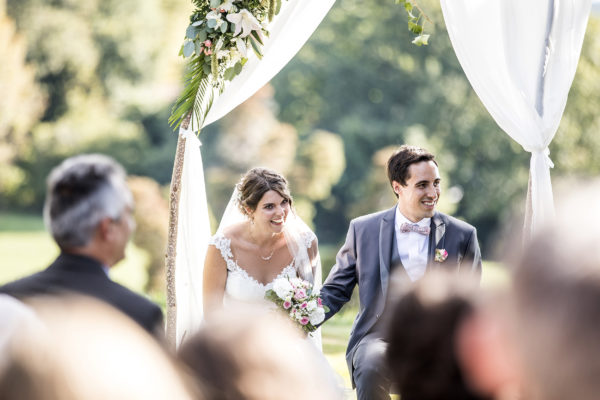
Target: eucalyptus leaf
{"x": 198, "y": 47}
{"x": 238, "y": 66}
{"x": 215, "y": 3}
{"x": 224, "y": 27}
{"x": 229, "y": 74}
{"x": 212, "y": 23}
{"x": 206, "y": 68}
{"x": 202, "y": 35}
{"x": 191, "y": 32}
{"x": 188, "y": 48}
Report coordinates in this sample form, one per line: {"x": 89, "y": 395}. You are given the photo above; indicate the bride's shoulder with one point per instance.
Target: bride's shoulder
{"x": 228, "y": 235}
{"x": 308, "y": 238}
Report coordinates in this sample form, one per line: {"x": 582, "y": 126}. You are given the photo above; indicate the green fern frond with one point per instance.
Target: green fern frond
{"x": 193, "y": 80}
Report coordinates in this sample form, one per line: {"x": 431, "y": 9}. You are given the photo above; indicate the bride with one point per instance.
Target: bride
{"x": 260, "y": 239}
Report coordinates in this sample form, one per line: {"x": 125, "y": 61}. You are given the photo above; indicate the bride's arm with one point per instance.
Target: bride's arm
{"x": 215, "y": 276}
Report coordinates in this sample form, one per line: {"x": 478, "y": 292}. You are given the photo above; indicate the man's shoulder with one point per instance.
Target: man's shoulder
{"x": 28, "y": 285}
{"x": 373, "y": 217}
{"x": 454, "y": 222}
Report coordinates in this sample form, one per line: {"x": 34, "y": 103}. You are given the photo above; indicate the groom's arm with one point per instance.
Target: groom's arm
{"x": 471, "y": 261}
{"x": 339, "y": 285}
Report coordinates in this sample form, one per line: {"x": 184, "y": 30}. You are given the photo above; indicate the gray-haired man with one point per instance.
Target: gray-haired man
{"x": 88, "y": 211}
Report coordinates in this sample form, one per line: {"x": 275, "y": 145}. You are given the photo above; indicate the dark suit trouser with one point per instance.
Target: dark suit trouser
{"x": 370, "y": 369}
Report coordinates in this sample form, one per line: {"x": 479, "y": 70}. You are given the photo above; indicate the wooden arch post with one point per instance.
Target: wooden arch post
{"x": 171, "y": 255}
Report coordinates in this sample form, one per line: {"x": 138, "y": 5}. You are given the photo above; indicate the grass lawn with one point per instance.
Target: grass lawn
{"x": 26, "y": 248}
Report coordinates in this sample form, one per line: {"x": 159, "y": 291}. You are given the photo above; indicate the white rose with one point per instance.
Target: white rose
{"x": 296, "y": 282}
{"x": 311, "y": 306}
{"x": 282, "y": 288}
{"x": 317, "y": 316}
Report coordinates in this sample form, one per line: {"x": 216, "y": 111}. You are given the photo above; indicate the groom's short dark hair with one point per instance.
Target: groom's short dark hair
{"x": 402, "y": 159}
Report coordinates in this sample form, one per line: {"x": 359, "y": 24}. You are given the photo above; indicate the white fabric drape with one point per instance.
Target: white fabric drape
{"x": 193, "y": 232}
{"x": 289, "y": 30}
{"x": 520, "y": 57}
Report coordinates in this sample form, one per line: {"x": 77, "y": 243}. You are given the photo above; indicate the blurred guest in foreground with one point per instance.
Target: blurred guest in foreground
{"x": 257, "y": 356}
{"x": 555, "y": 302}
{"x": 88, "y": 211}
{"x": 87, "y": 350}
{"x": 541, "y": 338}
{"x": 422, "y": 337}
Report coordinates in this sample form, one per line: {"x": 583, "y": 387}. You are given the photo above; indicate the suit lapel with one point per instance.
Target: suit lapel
{"x": 437, "y": 238}
{"x": 386, "y": 236}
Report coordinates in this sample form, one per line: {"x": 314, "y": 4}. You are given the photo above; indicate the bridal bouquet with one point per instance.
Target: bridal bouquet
{"x": 297, "y": 298}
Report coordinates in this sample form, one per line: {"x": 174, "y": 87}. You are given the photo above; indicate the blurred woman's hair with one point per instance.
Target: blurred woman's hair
{"x": 256, "y": 356}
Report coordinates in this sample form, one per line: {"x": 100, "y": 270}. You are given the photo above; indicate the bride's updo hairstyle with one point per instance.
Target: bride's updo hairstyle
{"x": 256, "y": 183}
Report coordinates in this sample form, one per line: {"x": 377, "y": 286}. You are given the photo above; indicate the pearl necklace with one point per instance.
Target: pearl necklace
{"x": 269, "y": 256}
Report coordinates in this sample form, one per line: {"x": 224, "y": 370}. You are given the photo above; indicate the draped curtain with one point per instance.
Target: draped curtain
{"x": 520, "y": 58}
{"x": 289, "y": 30}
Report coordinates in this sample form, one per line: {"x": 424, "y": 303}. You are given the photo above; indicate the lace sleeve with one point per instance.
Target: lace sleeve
{"x": 308, "y": 238}
{"x": 223, "y": 244}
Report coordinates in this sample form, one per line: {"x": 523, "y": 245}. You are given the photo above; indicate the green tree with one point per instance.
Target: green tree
{"x": 252, "y": 136}
{"x": 109, "y": 71}
{"x": 21, "y": 104}
{"x": 361, "y": 77}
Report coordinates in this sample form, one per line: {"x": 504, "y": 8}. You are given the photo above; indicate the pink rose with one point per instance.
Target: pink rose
{"x": 207, "y": 43}
{"x": 300, "y": 294}
{"x": 319, "y": 301}
{"x": 304, "y": 320}
{"x": 287, "y": 304}
{"x": 304, "y": 305}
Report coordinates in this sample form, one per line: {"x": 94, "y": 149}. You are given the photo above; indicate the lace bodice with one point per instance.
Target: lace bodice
{"x": 240, "y": 287}
{"x": 242, "y": 290}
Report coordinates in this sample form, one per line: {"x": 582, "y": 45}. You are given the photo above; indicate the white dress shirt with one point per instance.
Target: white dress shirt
{"x": 412, "y": 246}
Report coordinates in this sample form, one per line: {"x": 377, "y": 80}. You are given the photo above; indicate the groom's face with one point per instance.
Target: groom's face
{"x": 417, "y": 200}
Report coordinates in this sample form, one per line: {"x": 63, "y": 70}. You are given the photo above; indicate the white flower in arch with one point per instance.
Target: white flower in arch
{"x": 244, "y": 21}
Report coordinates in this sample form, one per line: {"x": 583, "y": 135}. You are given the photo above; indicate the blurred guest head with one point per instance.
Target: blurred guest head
{"x": 88, "y": 207}
{"x": 256, "y": 356}
{"x": 555, "y": 301}
{"x": 87, "y": 350}
{"x": 422, "y": 333}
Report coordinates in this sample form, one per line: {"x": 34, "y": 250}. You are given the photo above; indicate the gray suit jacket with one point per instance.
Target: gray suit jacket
{"x": 365, "y": 260}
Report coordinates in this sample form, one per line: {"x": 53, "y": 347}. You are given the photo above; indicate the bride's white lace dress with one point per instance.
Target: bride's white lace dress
{"x": 241, "y": 289}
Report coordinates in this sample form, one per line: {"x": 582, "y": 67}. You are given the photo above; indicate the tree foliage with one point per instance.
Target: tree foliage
{"x": 361, "y": 77}
{"x": 107, "y": 73}
{"x": 21, "y": 103}
{"x": 252, "y": 136}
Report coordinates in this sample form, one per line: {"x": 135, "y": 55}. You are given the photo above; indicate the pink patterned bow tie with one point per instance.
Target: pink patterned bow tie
{"x": 406, "y": 227}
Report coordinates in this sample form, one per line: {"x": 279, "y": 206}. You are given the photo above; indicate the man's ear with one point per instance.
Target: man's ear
{"x": 104, "y": 229}
{"x": 397, "y": 187}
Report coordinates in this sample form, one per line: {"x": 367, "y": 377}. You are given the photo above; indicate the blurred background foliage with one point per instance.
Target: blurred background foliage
{"x": 101, "y": 75}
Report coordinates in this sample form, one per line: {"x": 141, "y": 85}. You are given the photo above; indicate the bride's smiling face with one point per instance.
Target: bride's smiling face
{"x": 271, "y": 211}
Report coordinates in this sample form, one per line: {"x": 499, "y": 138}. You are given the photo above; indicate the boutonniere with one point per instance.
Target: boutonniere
{"x": 440, "y": 255}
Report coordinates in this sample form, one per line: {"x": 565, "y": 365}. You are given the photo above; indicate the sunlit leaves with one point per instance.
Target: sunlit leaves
{"x": 416, "y": 23}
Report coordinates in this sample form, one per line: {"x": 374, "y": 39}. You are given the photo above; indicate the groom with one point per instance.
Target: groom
{"x": 409, "y": 240}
